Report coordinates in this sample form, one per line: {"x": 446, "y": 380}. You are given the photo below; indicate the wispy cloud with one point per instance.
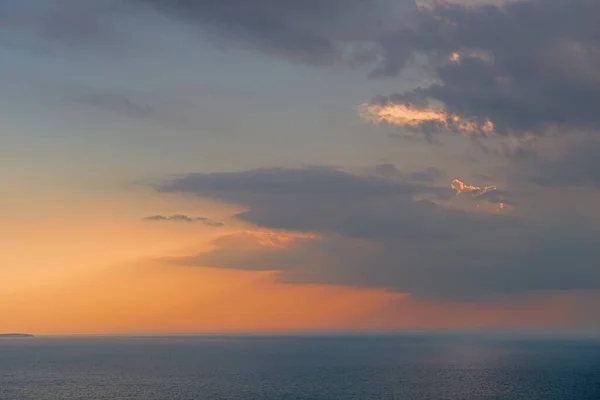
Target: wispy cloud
{"x": 423, "y": 119}
{"x": 182, "y": 218}
{"x": 119, "y": 103}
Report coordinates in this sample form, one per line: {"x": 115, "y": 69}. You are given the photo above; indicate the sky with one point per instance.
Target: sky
{"x": 299, "y": 165}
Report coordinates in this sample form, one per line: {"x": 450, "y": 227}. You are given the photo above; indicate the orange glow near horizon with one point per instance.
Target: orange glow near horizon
{"x": 159, "y": 299}
{"x": 82, "y": 268}
{"x": 75, "y": 266}
{"x": 163, "y": 299}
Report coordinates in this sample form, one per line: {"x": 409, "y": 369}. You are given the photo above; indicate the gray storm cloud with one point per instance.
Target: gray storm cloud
{"x": 530, "y": 67}
{"x": 518, "y": 68}
{"x": 372, "y": 231}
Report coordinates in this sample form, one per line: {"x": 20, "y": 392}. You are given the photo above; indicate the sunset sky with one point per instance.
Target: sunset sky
{"x": 299, "y": 165}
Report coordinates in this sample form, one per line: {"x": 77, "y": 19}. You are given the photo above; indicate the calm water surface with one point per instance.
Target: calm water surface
{"x": 407, "y": 367}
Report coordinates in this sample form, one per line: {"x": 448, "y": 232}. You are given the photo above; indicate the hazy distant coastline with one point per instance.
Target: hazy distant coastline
{"x": 15, "y": 335}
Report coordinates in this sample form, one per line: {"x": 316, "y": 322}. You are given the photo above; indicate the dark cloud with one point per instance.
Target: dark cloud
{"x": 527, "y": 67}
{"x": 183, "y": 218}
{"x": 375, "y": 232}
{"x": 389, "y": 171}
{"x": 430, "y": 174}
{"x": 578, "y": 166}
{"x": 317, "y": 32}
{"x": 314, "y": 180}
{"x": 466, "y": 271}
{"x": 309, "y": 199}
{"x": 46, "y": 26}
{"x": 80, "y": 23}
{"x": 310, "y": 31}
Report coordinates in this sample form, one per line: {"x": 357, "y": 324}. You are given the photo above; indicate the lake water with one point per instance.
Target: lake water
{"x": 407, "y": 367}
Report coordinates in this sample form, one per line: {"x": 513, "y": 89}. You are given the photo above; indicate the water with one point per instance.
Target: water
{"x": 411, "y": 367}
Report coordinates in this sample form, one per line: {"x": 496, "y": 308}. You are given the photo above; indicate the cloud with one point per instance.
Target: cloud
{"x": 182, "y": 218}
{"x": 488, "y": 198}
{"x": 511, "y": 69}
{"x": 378, "y": 232}
{"x": 462, "y": 187}
{"x": 119, "y": 103}
{"x": 465, "y": 271}
{"x": 427, "y": 120}
{"x": 525, "y": 68}
{"x": 308, "y": 199}
{"x": 428, "y": 175}
{"x": 48, "y": 25}
{"x": 577, "y": 166}
{"x": 309, "y": 31}
{"x": 312, "y": 180}
{"x": 251, "y": 250}
{"x": 470, "y": 3}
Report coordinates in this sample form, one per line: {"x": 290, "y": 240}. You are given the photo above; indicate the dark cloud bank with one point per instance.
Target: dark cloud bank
{"x": 530, "y": 68}
{"x": 374, "y": 232}
{"x": 526, "y": 66}
{"x": 309, "y": 31}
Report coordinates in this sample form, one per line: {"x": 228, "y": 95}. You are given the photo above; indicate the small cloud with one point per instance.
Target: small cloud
{"x": 213, "y": 223}
{"x": 183, "y": 218}
{"x": 119, "y": 103}
{"x": 422, "y": 119}
{"x": 460, "y": 187}
{"x": 488, "y": 198}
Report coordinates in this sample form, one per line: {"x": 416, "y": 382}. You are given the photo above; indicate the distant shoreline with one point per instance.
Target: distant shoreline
{"x": 15, "y": 335}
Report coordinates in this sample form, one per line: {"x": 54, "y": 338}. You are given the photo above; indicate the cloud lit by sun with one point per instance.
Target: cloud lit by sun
{"x": 278, "y": 239}
{"x": 480, "y": 195}
{"x": 420, "y": 118}
{"x": 462, "y": 187}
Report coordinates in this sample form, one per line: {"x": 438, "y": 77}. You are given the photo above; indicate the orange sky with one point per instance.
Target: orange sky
{"x": 159, "y": 299}
{"x": 77, "y": 266}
